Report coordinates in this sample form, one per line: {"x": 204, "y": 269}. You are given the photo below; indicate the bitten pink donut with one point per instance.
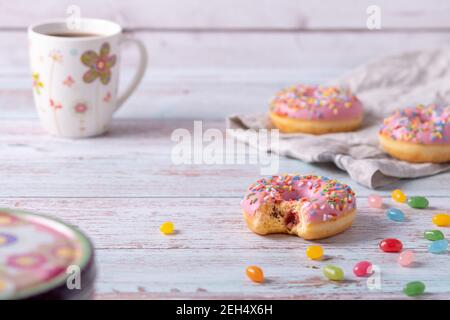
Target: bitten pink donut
{"x": 418, "y": 134}
{"x": 312, "y": 207}
{"x": 315, "y": 109}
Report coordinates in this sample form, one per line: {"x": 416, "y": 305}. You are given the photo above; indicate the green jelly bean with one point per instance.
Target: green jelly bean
{"x": 433, "y": 235}
{"x": 414, "y": 288}
{"x": 333, "y": 273}
{"x": 418, "y": 202}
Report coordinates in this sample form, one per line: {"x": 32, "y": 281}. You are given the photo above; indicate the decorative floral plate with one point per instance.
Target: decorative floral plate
{"x": 42, "y": 258}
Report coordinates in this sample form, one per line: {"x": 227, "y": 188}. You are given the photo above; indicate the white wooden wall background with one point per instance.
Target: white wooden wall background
{"x": 209, "y": 58}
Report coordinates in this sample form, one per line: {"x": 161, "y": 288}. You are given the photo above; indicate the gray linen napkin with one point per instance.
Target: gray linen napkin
{"x": 382, "y": 86}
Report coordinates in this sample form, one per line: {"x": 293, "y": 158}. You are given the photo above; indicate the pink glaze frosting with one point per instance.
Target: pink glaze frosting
{"x": 322, "y": 198}
{"x": 316, "y": 103}
{"x": 421, "y": 124}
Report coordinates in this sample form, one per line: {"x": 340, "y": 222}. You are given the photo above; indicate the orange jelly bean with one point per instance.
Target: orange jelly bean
{"x": 255, "y": 274}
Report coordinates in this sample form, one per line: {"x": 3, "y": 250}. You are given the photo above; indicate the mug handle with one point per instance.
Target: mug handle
{"x": 139, "y": 74}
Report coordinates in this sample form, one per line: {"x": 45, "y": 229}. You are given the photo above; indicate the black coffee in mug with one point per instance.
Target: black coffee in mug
{"x": 74, "y": 34}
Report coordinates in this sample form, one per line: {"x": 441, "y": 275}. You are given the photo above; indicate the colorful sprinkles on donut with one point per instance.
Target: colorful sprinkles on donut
{"x": 290, "y": 203}
{"x": 314, "y": 102}
{"x": 420, "y": 124}
{"x": 338, "y": 196}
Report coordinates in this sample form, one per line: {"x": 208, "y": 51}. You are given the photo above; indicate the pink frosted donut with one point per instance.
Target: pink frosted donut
{"x": 418, "y": 134}
{"x": 311, "y": 207}
{"x": 315, "y": 109}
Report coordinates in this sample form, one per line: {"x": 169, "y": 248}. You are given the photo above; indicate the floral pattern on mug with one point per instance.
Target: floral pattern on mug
{"x": 80, "y": 108}
{"x": 37, "y": 84}
{"x": 56, "y": 56}
{"x": 55, "y": 105}
{"x": 107, "y": 97}
{"x": 68, "y": 81}
{"x": 99, "y": 64}
{"x": 73, "y": 52}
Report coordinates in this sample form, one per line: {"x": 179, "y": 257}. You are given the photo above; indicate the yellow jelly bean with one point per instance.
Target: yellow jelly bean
{"x": 314, "y": 252}
{"x": 398, "y": 195}
{"x": 167, "y": 227}
{"x": 441, "y": 219}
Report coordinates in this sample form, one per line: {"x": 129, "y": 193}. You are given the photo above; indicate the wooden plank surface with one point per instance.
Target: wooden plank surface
{"x": 189, "y": 71}
{"x": 119, "y": 188}
{"x": 134, "y": 160}
{"x": 244, "y": 54}
{"x": 169, "y": 92}
{"x": 235, "y": 14}
{"x": 124, "y": 223}
{"x": 207, "y": 256}
{"x": 254, "y": 50}
{"x": 212, "y": 75}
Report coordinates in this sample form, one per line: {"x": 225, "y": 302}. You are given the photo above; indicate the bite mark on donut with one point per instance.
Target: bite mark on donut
{"x": 291, "y": 219}
{"x": 275, "y": 212}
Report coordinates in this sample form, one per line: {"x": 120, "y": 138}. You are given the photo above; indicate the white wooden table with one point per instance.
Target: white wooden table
{"x": 209, "y": 59}
{"x": 120, "y": 187}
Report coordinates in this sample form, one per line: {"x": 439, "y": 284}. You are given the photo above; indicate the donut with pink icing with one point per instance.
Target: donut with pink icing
{"x": 312, "y": 207}
{"x": 418, "y": 134}
{"x": 315, "y": 109}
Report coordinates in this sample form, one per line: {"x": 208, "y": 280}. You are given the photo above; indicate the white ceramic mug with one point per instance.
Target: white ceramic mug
{"x": 75, "y": 75}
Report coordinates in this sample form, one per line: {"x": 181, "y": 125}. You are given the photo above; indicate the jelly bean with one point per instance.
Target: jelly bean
{"x": 441, "y": 219}
{"x": 406, "y": 258}
{"x": 398, "y": 195}
{"x": 438, "y": 246}
{"x": 395, "y": 214}
{"x": 414, "y": 288}
{"x": 255, "y": 274}
{"x": 433, "y": 235}
{"x": 333, "y": 273}
{"x": 362, "y": 269}
{"x": 314, "y": 252}
{"x": 167, "y": 227}
{"x": 418, "y": 202}
{"x": 391, "y": 245}
{"x": 375, "y": 201}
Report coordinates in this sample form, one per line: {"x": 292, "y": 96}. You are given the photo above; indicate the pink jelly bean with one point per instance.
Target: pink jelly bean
{"x": 375, "y": 201}
{"x": 362, "y": 269}
{"x": 406, "y": 258}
